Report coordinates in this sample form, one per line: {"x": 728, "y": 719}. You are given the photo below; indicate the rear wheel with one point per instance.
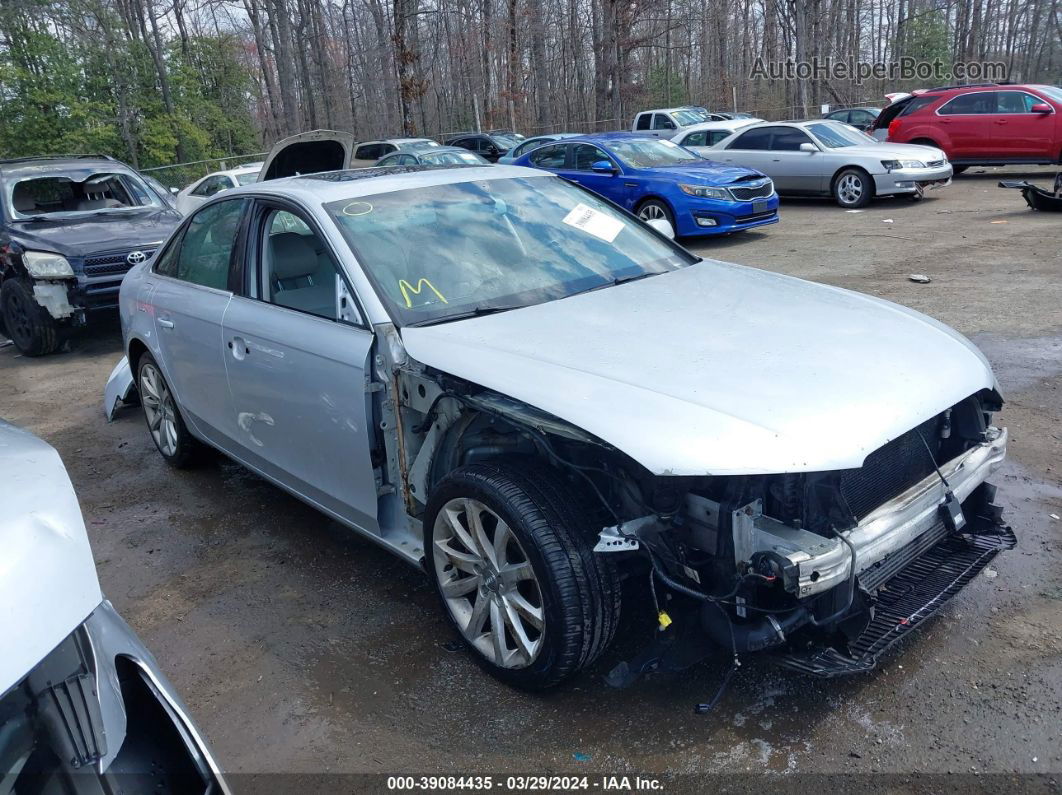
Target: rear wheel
{"x": 853, "y": 188}
{"x": 509, "y": 548}
{"x": 165, "y": 423}
{"x": 27, "y": 323}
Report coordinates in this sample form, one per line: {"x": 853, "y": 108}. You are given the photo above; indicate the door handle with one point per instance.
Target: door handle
{"x": 239, "y": 348}
{"x": 165, "y": 323}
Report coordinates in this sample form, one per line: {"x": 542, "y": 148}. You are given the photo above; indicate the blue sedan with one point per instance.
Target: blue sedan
{"x": 657, "y": 179}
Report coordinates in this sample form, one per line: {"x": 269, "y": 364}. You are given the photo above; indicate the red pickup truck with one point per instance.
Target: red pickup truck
{"x": 989, "y": 124}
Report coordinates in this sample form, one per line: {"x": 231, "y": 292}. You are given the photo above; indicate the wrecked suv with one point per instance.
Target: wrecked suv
{"x": 536, "y": 396}
{"x": 70, "y": 227}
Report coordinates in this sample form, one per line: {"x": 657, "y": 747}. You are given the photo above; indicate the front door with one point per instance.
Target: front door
{"x": 298, "y": 366}
{"x": 1018, "y": 132}
{"x": 798, "y": 171}
{"x": 189, "y": 301}
{"x": 611, "y": 185}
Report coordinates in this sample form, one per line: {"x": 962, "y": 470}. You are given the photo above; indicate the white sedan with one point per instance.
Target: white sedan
{"x": 198, "y": 192}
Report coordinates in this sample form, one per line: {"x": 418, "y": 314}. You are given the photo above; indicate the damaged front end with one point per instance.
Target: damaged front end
{"x": 825, "y": 569}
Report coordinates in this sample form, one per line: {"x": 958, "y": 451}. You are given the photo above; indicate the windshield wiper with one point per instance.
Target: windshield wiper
{"x": 477, "y": 311}
{"x": 619, "y": 280}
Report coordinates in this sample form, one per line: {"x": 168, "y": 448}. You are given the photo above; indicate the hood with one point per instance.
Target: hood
{"x": 48, "y": 584}
{"x": 92, "y": 234}
{"x": 706, "y": 172}
{"x": 718, "y": 369}
{"x": 891, "y": 151}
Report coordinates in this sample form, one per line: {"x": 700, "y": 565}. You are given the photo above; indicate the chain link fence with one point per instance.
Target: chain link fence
{"x": 179, "y": 175}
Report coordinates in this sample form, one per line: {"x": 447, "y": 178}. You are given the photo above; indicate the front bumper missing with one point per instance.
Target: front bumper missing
{"x": 824, "y": 563}
{"x": 912, "y": 180}
{"x": 908, "y": 598}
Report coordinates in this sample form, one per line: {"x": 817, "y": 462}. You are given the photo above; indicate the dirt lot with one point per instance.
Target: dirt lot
{"x": 301, "y": 648}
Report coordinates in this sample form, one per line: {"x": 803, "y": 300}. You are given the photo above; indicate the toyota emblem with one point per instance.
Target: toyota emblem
{"x": 135, "y": 257}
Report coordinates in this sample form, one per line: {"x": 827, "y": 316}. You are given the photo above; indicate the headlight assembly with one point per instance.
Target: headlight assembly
{"x": 43, "y": 265}
{"x": 705, "y": 192}
{"x": 891, "y": 165}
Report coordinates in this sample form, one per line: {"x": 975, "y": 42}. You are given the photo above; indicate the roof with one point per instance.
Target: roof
{"x": 335, "y": 185}
{"x": 723, "y": 124}
{"x": 620, "y": 135}
{"x": 25, "y": 167}
{"x": 665, "y": 110}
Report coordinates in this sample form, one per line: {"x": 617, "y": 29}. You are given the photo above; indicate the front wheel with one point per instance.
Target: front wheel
{"x": 509, "y": 548}
{"x": 656, "y": 210}
{"x": 852, "y": 188}
{"x": 27, "y": 323}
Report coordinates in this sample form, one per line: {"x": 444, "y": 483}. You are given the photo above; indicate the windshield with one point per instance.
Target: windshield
{"x": 461, "y": 158}
{"x": 248, "y": 178}
{"x": 651, "y": 152}
{"x": 79, "y": 193}
{"x": 1054, "y": 92}
{"x": 687, "y": 117}
{"x": 837, "y": 136}
{"x": 446, "y": 251}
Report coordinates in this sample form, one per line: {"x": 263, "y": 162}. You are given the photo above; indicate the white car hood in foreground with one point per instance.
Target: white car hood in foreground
{"x": 48, "y": 584}
{"x": 719, "y": 369}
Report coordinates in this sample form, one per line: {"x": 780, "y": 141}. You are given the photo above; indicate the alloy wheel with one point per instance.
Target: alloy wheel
{"x": 652, "y": 212}
{"x": 488, "y": 583}
{"x": 159, "y": 408}
{"x": 850, "y": 188}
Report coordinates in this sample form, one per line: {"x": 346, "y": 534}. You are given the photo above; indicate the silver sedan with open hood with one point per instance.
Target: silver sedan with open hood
{"x": 828, "y": 158}
{"x": 533, "y": 395}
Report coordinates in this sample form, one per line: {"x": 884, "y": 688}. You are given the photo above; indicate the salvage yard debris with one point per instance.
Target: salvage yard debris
{"x": 920, "y": 278}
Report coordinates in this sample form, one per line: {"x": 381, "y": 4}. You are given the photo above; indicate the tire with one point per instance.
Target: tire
{"x": 956, "y": 170}
{"x": 853, "y": 188}
{"x": 654, "y": 208}
{"x": 28, "y": 324}
{"x": 553, "y": 573}
{"x": 165, "y": 424}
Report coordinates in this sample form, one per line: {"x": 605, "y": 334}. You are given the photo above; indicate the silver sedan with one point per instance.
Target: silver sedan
{"x": 532, "y": 394}
{"x": 828, "y": 158}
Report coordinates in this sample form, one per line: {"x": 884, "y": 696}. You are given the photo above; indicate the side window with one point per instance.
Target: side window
{"x": 211, "y": 185}
{"x": 695, "y": 139}
{"x": 549, "y": 156}
{"x": 715, "y": 136}
{"x": 753, "y": 139}
{"x": 969, "y": 104}
{"x": 1014, "y": 102}
{"x": 206, "y": 249}
{"x": 394, "y": 160}
{"x": 296, "y": 268}
{"x": 662, "y": 122}
{"x": 644, "y": 121}
{"x": 585, "y": 155}
{"x": 465, "y": 143}
{"x": 407, "y": 160}
{"x": 788, "y": 139}
{"x": 367, "y": 152}
{"x": 860, "y": 117}
{"x": 386, "y": 149}
{"x": 166, "y": 264}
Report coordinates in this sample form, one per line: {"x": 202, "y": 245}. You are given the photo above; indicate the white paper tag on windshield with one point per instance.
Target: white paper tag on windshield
{"x": 594, "y": 222}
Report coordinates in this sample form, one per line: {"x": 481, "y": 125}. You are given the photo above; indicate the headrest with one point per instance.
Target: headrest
{"x": 23, "y": 200}
{"x": 292, "y": 255}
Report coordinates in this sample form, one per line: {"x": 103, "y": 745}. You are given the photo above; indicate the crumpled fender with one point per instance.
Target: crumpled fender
{"x": 119, "y": 388}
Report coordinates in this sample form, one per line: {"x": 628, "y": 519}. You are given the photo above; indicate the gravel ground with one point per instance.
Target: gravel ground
{"x": 301, "y": 648}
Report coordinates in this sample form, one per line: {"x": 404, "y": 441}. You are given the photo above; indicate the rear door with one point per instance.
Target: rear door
{"x": 1018, "y": 132}
{"x": 297, "y": 351}
{"x": 969, "y": 123}
{"x": 308, "y": 153}
{"x": 750, "y": 149}
{"x": 192, "y": 291}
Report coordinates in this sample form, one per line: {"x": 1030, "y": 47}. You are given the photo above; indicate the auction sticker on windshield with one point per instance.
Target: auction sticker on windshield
{"x": 593, "y": 222}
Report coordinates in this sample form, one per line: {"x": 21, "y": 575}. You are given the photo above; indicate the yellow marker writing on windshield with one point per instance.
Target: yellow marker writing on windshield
{"x": 408, "y": 288}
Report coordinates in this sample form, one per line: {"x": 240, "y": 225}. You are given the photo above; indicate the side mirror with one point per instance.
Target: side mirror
{"x": 175, "y": 191}
{"x": 807, "y": 147}
{"x": 662, "y": 226}
{"x": 603, "y": 167}
{"x": 1041, "y": 107}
